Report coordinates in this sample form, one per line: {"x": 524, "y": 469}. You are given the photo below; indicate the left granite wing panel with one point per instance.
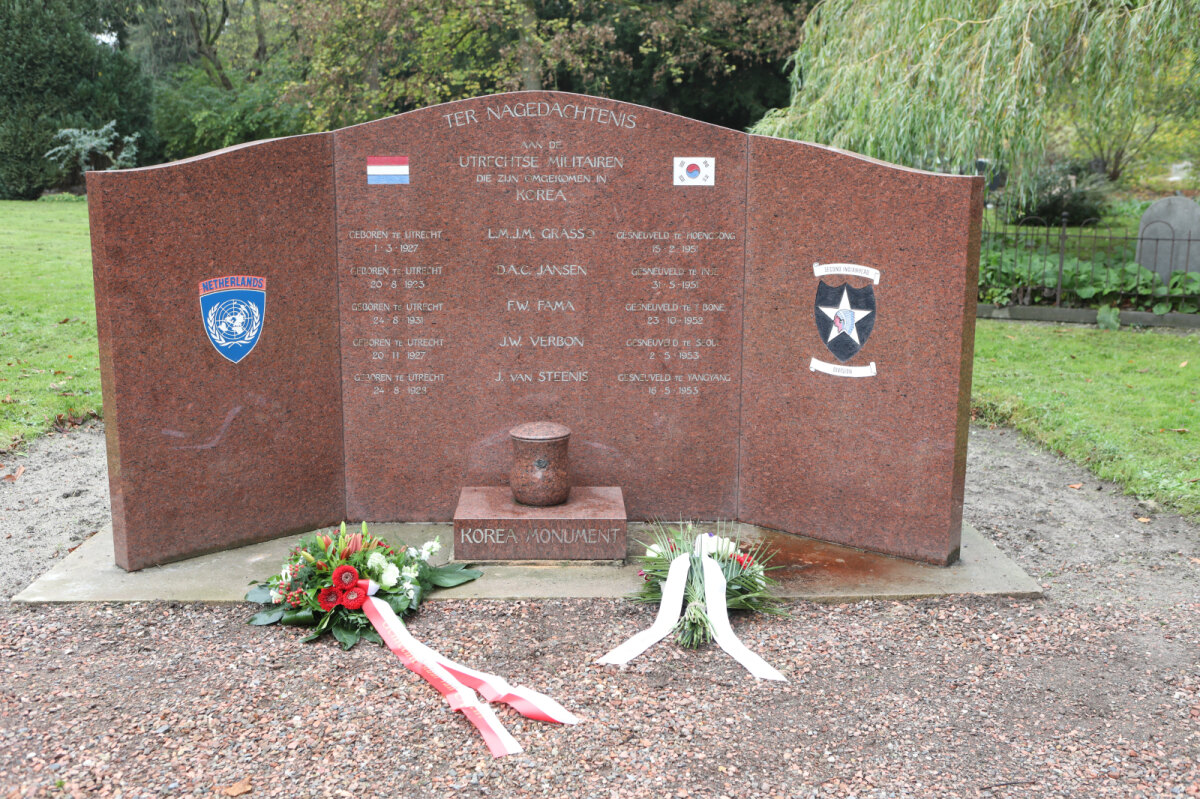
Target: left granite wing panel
{"x": 206, "y": 453}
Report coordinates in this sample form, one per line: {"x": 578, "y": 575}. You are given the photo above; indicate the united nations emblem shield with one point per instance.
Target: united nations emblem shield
{"x": 232, "y": 309}
{"x": 845, "y": 317}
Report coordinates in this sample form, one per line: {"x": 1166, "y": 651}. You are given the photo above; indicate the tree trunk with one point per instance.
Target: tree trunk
{"x": 260, "y": 36}
{"x": 531, "y": 64}
{"x": 206, "y": 42}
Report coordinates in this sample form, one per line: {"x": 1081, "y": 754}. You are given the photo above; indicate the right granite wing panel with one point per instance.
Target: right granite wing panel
{"x": 858, "y": 341}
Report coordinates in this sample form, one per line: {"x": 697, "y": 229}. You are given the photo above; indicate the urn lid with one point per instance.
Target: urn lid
{"x": 540, "y": 431}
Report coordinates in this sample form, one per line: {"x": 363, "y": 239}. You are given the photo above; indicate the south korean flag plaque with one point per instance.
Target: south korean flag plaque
{"x": 845, "y": 317}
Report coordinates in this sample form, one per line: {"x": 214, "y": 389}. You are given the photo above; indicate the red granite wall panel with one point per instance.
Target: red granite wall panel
{"x": 416, "y": 286}
{"x": 205, "y": 453}
{"x": 854, "y": 424}
{"x": 544, "y": 260}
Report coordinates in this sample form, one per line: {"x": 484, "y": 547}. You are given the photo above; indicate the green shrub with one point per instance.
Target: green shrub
{"x": 83, "y": 149}
{"x": 1011, "y": 276}
{"x": 1063, "y": 188}
{"x": 55, "y": 74}
{"x": 193, "y": 116}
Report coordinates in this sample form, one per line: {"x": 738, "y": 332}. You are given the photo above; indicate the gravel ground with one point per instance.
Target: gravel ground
{"x": 1092, "y": 691}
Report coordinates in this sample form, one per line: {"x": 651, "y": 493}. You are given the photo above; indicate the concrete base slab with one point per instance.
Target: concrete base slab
{"x": 811, "y": 570}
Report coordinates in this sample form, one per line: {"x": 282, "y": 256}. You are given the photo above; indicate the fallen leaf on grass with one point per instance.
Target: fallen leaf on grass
{"x": 12, "y": 478}
{"x": 238, "y": 788}
{"x": 1144, "y": 519}
{"x": 1075, "y": 486}
{"x": 9, "y": 400}
{"x": 1183, "y": 364}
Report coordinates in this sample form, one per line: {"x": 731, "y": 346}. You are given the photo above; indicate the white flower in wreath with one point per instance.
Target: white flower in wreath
{"x": 410, "y": 590}
{"x": 285, "y": 576}
{"x": 654, "y": 551}
{"x": 716, "y": 545}
{"x": 276, "y": 596}
{"x": 377, "y": 563}
{"x": 429, "y": 549}
{"x": 409, "y": 573}
{"x": 390, "y": 575}
{"x": 413, "y": 552}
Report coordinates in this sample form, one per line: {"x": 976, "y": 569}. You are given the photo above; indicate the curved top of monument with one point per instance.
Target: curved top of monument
{"x": 543, "y": 105}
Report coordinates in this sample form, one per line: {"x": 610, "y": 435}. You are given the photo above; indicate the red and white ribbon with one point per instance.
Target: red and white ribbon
{"x": 670, "y": 607}
{"x": 456, "y": 683}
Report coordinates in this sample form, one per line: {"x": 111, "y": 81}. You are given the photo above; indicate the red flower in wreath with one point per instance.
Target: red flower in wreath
{"x": 329, "y": 598}
{"x": 344, "y": 576}
{"x": 745, "y": 561}
{"x": 354, "y": 597}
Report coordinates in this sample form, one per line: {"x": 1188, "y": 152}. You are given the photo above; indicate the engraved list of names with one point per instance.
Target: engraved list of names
{"x": 539, "y": 260}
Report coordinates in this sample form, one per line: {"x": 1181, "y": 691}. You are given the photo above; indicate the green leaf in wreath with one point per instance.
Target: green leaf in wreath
{"x": 452, "y": 574}
{"x": 311, "y": 637}
{"x": 371, "y": 635}
{"x": 268, "y": 616}
{"x": 260, "y": 594}
{"x": 398, "y": 603}
{"x": 300, "y": 618}
{"x": 345, "y": 636}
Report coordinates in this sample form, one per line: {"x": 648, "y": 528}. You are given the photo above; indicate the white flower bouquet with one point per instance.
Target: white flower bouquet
{"x": 747, "y": 585}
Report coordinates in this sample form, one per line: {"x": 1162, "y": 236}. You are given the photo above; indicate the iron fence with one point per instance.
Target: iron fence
{"x": 1045, "y": 262}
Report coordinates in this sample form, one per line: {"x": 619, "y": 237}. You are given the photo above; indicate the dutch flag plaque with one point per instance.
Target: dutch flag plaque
{"x": 385, "y": 170}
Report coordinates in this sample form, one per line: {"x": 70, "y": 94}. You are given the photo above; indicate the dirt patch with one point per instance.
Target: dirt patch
{"x": 1085, "y": 544}
{"x": 57, "y": 499}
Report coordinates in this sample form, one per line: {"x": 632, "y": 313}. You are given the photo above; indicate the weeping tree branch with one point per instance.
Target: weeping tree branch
{"x": 937, "y": 84}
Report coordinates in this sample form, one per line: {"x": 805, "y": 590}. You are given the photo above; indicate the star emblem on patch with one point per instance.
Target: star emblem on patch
{"x": 845, "y": 317}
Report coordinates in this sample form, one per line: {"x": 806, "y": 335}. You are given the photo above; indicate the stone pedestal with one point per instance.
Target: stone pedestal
{"x": 489, "y": 525}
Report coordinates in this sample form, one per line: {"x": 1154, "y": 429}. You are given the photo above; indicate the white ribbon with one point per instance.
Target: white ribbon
{"x": 718, "y": 617}
{"x": 668, "y": 613}
{"x": 671, "y": 605}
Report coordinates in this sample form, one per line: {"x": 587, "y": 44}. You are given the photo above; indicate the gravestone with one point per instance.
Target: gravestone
{"x": 346, "y": 325}
{"x": 1169, "y": 237}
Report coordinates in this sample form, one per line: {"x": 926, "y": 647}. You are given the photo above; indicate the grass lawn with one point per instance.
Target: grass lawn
{"x": 48, "y": 359}
{"x": 1121, "y": 402}
{"x": 1114, "y": 401}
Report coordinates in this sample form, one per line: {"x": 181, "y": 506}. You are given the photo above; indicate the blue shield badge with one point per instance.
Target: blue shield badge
{"x": 232, "y": 309}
